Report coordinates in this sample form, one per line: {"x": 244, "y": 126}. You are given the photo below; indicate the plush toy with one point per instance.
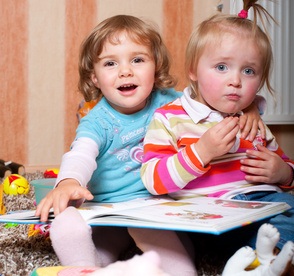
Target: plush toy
{"x": 39, "y": 229}
{"x": 51, "y": 173}
{"x": 270, "y": 264}
{"x": 4, "y": 171}
{"x": 144, "y": 265}
{"x": 147, "y": 264}
{"x": 9, "y": 167}
{"x": 15, "y": 184}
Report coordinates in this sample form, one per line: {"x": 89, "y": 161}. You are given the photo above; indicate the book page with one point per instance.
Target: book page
{"x": 189, "y": 213}
{"x": 198, "y": 213}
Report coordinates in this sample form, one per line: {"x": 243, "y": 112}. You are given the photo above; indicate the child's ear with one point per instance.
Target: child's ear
{"x": 94, "y": 80}
{"x": 192, "y": 76}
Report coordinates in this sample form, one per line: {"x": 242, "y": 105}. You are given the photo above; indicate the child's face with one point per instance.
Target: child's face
{"x": 228, "y": 75}
{"x": 125, "y": 74}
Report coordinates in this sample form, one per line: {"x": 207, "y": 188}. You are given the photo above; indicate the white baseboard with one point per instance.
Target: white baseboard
{"x": 41, "y": 168}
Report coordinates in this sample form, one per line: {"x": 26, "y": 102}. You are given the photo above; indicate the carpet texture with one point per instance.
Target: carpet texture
{"x": 21, "y": 254}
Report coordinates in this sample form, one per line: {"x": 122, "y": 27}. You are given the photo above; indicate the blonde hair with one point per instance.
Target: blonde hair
{"x": 211, "y": 32}
{"x": 108, "y": 31}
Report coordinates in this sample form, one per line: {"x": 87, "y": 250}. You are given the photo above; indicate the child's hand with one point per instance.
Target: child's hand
{"x": 250, "y": 122}
{"x": 59, "y": 198}
{"x": 265, "y": 166}
{"x": 218, "y": 140}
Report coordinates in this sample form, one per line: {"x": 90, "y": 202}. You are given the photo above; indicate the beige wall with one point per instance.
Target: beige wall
{"x": 39, "y": 52}
{"x": 285, "y": 137}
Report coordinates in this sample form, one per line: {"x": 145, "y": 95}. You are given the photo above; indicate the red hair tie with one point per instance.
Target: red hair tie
{"x": 243, "y": 14}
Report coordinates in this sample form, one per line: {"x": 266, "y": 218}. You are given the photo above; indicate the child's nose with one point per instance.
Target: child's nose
{"x": 125, "y": 71}
{"x": 235, "y": 80}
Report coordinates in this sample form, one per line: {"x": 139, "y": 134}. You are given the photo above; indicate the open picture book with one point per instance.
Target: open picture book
{"x": 186, "y": 213}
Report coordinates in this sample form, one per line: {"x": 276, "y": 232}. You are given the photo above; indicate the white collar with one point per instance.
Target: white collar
{"x": 198, "y": 111}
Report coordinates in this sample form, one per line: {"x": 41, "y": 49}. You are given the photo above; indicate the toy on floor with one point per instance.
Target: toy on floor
{"x": 51, "y": 173}
{"x": 270, "y": 264}
{"x": 143, "y": 265}
{"x": 2, "y": 207}
{"x": 4, "y": 171}
{"x": 15, "y": 184}
{"x": 147, "y": 264}
{"x": 9, "y": 167}
{"x": 10, "y": 225}
{"x": 39, "y": 229}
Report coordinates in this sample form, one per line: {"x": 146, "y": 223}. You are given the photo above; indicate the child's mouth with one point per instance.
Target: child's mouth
{"x": 126, "y": 88}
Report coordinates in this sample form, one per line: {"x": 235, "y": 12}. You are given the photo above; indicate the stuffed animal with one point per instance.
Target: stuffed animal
{"x": 4, "y": 171}
{"x": 147, "y": 264}
{"x": 15, "y": 184}
{"x": 143, "y": 265}
{"x": 39, "y": 229}
{"x": 9, "y": 167}
{"x": 270, "y": 264}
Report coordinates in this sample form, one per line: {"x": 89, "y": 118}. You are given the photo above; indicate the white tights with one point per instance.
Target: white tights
{"x": 76, "y": 245}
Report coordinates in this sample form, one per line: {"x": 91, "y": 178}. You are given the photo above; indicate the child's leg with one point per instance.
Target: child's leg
{"x": 175, "y": 260}
{"x": 72, "y": 239}
{"x": 76, "y": 245}
{"x": 284, "y": 222}
{"x": 110, "y": 242}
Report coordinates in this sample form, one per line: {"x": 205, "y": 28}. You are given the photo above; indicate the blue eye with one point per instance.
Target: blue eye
{"x": 249, "y": 71}
{"x": 221, "y": 67}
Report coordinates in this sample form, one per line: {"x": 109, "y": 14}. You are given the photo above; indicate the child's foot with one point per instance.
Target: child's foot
{"x": 267, "y": 238}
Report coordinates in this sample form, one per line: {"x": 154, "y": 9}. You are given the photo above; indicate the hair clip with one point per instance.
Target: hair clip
{"x": 219, "y": 7}
{"x": 243, "y": 14}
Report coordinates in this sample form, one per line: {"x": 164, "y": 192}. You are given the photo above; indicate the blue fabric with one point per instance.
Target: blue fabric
{"x": 120, "y": 141}
{"x": 284, "y": 222}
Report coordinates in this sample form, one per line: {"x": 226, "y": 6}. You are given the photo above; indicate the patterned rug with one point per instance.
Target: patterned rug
{"x": 19, "y": 253}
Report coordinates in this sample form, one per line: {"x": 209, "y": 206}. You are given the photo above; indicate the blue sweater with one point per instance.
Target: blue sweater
{"x": 120, "y": 143}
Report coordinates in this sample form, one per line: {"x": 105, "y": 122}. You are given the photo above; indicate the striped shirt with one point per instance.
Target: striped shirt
{"x": 171, "y": 163}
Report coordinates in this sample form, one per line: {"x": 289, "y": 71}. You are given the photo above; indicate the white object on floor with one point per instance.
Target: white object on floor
{"x": 270, "y": 264}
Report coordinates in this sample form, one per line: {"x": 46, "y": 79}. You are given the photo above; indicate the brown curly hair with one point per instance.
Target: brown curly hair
{"x": 138, "y": 30}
